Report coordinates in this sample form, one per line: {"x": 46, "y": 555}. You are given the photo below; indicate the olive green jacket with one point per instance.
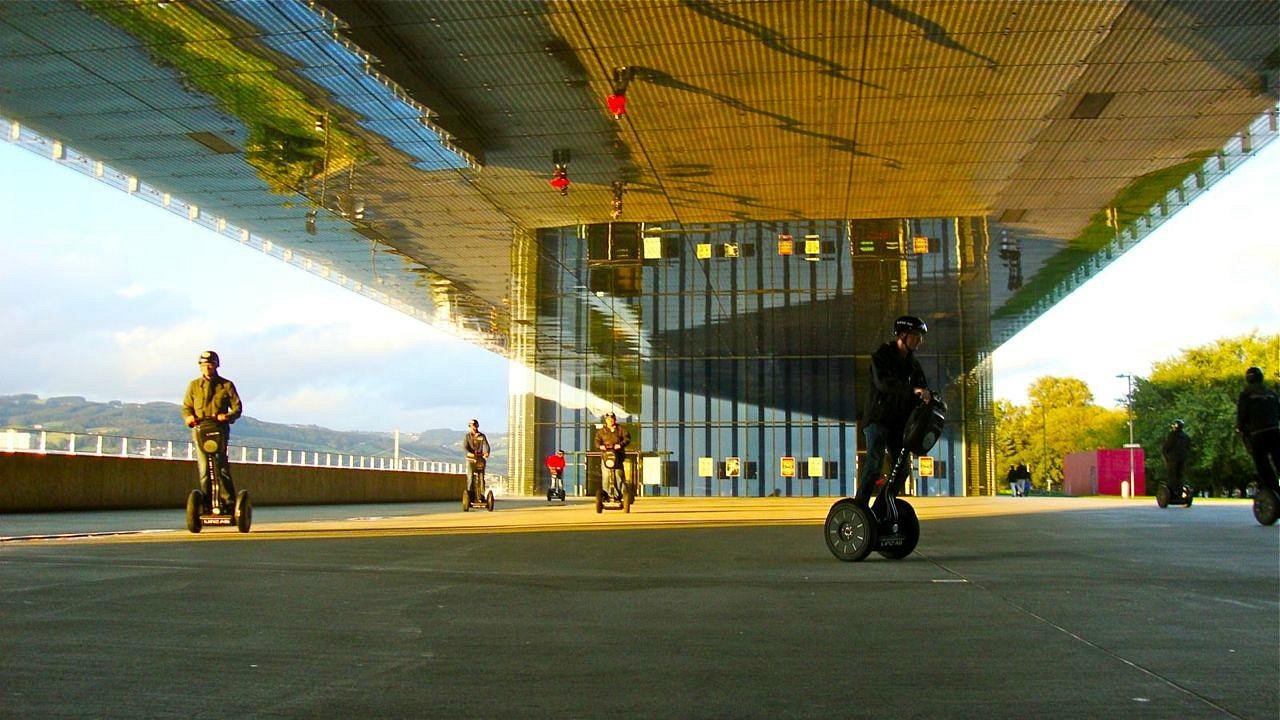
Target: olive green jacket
{"x": 208, "y": 398}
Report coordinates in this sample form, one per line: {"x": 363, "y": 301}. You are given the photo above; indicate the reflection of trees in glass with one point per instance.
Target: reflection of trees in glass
{"x": 1130, "y": 204}
{"x": 283, "y": 144}
{"x": 613, "y": 362}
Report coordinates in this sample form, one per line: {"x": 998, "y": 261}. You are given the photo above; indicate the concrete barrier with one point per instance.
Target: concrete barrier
{"x": 39, "y": 483}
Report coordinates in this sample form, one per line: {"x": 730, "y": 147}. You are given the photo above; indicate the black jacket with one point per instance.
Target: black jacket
{"x": 893, "y": 383}
{"x": 1257, "y": 409}
{"x": 1177, "y": 446}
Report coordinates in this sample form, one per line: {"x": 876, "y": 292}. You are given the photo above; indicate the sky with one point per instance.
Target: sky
{"x": 111, "y": 298}
{"x": 1211, "y": 271}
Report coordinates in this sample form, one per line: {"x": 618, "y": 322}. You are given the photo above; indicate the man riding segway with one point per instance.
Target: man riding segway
{"x": 1176, "y": 452}
{"x": 555, "y": 466}
{"x": 902, "y": 418}
{"x": 1258, "y": 422}
{"x": 209, "y": 407}
{"x": 612, "y": 440}
{"x": 476, "y": 446}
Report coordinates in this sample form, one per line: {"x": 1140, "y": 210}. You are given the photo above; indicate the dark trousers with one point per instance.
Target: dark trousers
{"x": 1177, "y": 469}
{"x": 228, "y": 493}
{"x": 1265, "y": 448}
{"x": 880, "y": 439}
{"x": 475, "y": 478}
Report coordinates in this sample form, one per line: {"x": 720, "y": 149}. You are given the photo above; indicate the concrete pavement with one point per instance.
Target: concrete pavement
{"x": 1036, "y": 607}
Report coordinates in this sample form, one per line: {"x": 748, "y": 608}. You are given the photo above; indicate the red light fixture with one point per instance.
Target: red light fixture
{"x": 560, "y": 180}
{"x": 617, "y": 105}
{"x": 617, "y": 102}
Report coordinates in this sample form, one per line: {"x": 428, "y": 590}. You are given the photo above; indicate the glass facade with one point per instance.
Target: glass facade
{"x": 727, "y": 348}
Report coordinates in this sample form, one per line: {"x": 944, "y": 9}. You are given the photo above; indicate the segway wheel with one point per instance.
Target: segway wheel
{"x": 488, "y": 501}
{"x": 628, "y": 495}
{"x": 466, "y": 501}
{"x": 1266, "y": 506}
{"x": 1162, "y": 496}
{"x": 909, "y": 526}
{"x": 599, "y": 501}
{"x": 243, "y": 512}
{"x": 850, "y": 530}
{"x": 551, "y": 494}
{"x": 195, "y": 503}
{"x": 1190, "y": 495}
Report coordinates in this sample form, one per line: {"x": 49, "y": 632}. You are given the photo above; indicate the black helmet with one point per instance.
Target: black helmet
{"x": 208, "y": 356}
{"x": 909, "y": 324}
{"x": 1177, "y": 425}
{"x": 1253, "y": 375}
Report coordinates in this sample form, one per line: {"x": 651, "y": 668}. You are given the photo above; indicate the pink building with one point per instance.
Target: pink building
{"x": 1100, "y": 472}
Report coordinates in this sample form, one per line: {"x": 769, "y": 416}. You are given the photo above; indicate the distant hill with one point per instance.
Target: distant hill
{"x": 163, "y": 421}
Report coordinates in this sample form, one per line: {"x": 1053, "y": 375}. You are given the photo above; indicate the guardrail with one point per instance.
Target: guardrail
{"x": 55, "y": 442}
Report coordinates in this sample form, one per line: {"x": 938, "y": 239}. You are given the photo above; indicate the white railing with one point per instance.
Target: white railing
{"x": 53, "y": 442}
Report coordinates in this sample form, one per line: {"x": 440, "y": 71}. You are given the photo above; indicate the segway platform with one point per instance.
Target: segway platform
{"x": 1180, "y": 495}
{"x": 604, "y": 502}
{"x": 239, "y": 514}
{"x": 484, "y": 501}
{"x": 889, "y": 526}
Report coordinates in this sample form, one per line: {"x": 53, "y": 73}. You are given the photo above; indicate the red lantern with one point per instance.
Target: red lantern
{"x": 617, "y": 105}
{"x": 560, "y": 180}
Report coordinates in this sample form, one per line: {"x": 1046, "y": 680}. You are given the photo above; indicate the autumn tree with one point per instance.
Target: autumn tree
{"x": 1061, "y": 418}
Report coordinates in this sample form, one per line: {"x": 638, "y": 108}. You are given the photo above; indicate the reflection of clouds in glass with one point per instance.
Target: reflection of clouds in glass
{"x": 118, "y": 314}
{"x": 525, "y": 380}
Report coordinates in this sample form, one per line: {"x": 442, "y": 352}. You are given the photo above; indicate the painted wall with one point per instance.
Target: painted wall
{"x": 1100, "y": 472}
{"x": 37, "y": 483}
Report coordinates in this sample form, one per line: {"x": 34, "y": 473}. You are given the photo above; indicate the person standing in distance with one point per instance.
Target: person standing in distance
{"x": 212, "y": 396}
{"x": 1258, "y": 422}
{"x": 476, "y": 445}
{"x": 897, "y": 386}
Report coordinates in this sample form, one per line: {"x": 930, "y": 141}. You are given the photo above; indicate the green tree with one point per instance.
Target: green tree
{"x": 1200, "y": 386}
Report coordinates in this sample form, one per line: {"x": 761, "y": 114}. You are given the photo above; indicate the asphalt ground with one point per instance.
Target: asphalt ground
{"x": 685, "y": 608}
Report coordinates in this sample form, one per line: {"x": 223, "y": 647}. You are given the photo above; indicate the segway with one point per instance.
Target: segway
{"x": 213, "y": 510}
{"x": 485, "y": 497}
{"x": 889, "y": 526}
{"x": 613, "y": 463}
{"x": 555, "y": 491}
{"x": 1266, "y": 506}
{"x": 1180, "y": 494}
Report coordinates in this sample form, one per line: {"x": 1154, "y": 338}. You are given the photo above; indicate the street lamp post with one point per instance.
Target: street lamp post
{"x": 1129, "y": 407}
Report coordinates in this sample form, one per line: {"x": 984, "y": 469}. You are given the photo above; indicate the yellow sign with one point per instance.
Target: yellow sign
{"x": 731, "y": 250}
{"x": 652, "y": 247}
{"x": 706, "y": 467}
{"x": 704, "y": 251}
{"x": 788, "y": 467}
{"x": 926, "y": 466}
{"x": 812, "y": 247}
{"x": 921, "y": 244}
{"x": 787, "y": 246}
{"x": 815, "y": 467}
{"x": 732, "y": 467}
